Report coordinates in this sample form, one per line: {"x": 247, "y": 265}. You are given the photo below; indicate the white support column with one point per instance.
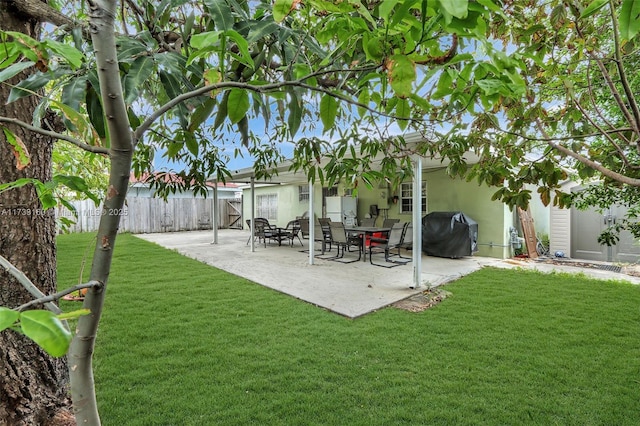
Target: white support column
{"x": 416, "y": 252}
{"x": 215, "y": 212}
{"x": 253, "y": 213}
{"x": 311, "y": 225}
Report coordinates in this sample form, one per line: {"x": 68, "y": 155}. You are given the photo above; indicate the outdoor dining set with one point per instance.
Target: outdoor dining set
{"x": 366, "y": 238}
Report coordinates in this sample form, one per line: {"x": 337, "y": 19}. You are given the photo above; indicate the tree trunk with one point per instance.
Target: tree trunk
{"x": 33, "y": 385}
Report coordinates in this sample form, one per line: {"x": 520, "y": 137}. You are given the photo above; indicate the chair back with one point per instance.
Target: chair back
{"x": 395, "y": 235}
{"x": 407, "y": 239}
{"x": 338, "y": 234}
{"x": 318, "y": 232}
{"x": 304, "y": 226}
{"x": 368, "y": 221}
{"x": 388, "y": 223}
{"x": 324, "y": 221}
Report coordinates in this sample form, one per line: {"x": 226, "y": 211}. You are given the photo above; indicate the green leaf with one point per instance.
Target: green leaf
{"x": 243, "y": 129}
{"x": 73, "y": 93}
{"x": 192, "y": 144}
{"x": 67, "y": 51}
{"x": 201, "y": 113}
{"x": 78, "y": 184}
{"x": 261, "y": 29}
{"x": 593, "y": 8}
{"x": 96, "y": 115}
{"x": 243, "y": 47}
{"x": 281, "y": 8}
{"x": 629, "y": 19}
{"x": 385, "y": 8}
{"x": 444, "y": 86}
{"x": 328, "y": 111}
{"x": 237, "y": 105}
{"x": 492, "y": 86}
{"x": 44, "y": 328}
{"x": 140, "y": 70}
{"x": 14, "y": 70}
{"x": 403, "y": 110}
{"x": 363, "y": 98}
{"x": 558, "y": 15}
{"x": 28, "y": 86}
{"x": 295, "y": 114}
{"x": 7, "y": 317}
{"x": 129, "y": 48}
{"x": 205, "y": 40}
{"x": 221, "y": 13}
{"x": 457, "y": 8}
{"x": 173, "y": 149}
{"x": 79, "y": 121}
{"x": 401, "y": 74}
{"x": 16, "y": 184}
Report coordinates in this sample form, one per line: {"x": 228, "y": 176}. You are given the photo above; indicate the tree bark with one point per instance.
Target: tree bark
{"x": 33, "y": 385}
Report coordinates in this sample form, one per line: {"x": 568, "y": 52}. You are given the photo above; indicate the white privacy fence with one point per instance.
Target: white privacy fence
{"x": 146, "y": 215}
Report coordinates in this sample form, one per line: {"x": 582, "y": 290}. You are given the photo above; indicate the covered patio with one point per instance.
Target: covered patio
{"x": 351, "y": 290}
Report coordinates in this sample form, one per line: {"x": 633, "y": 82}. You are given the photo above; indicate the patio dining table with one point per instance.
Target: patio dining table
{"x": 364, "y": 232}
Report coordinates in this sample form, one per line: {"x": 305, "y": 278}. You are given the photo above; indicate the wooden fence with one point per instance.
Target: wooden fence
{"x": 145, "y": 215}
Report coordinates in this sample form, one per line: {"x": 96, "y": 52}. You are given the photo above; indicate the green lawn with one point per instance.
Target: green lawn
{"x": 182, "y": 343}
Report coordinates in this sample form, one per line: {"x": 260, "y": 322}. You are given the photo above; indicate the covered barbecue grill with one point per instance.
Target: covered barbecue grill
{"x": 449, "y": 234}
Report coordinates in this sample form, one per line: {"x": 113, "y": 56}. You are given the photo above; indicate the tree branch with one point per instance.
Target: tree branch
{"x": 584, "y": 160}
{"x": 633, "y": 105}
{"x": 27, "y": 284}
{"x": 603, "y": 131}
{"x": 56, "y": 135}
{"x": 59, "y": 295}
{"x": 610, "y": 83}
{"x": 42, "y": 12}
{"x": 266, "y": 88}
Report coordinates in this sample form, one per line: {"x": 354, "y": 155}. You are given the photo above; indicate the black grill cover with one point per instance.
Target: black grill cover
{"x": 449, "y": 234}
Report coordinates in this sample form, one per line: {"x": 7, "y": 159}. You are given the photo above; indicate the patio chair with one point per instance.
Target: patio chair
{"x": 342, "y": 241}
{"x": 407, "y": 240}
{"x": 263, "y": 230}
{"x": 291, "y": 231}
{"x": 321, "y": 234}
{"x": 385, "y": 245}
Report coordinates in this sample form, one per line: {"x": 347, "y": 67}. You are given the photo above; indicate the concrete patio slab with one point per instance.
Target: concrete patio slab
{"x": 351, "y": 290}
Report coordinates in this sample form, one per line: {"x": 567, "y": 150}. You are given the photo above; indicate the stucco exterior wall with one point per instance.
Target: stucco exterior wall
{"x": 447, "y": 194}
{"x": 443, "y": 194}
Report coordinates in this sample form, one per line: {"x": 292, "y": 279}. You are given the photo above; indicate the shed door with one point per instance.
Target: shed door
{"x": 587, "y": 225}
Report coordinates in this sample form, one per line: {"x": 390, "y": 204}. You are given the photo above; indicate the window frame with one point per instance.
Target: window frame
{"x": 267, "y": 206}
{"x": 303, "y": 193}
{"x": 405, "y": 197}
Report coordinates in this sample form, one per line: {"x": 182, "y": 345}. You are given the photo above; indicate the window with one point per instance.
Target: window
{"x": 303, "y": 193}
{"x": 267, "y": 206}
{"x": 406, "y": 197}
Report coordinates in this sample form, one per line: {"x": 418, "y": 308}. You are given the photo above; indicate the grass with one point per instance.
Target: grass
{"x": 182, "y": 343}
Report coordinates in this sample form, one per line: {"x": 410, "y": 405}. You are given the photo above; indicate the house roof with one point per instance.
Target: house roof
{"x": 282, "y": 175}
{"x": 142, "y": 181}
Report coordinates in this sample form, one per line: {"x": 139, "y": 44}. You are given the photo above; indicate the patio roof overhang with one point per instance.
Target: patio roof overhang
{"x": 283, "y": 175}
